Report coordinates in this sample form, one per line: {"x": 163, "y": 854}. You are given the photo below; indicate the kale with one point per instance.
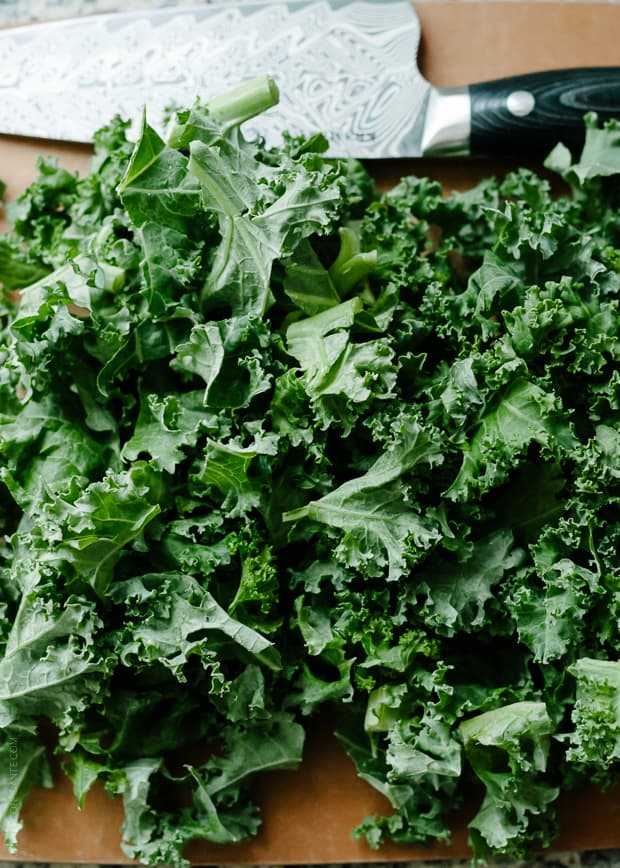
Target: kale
{"x": 273, "y": 442}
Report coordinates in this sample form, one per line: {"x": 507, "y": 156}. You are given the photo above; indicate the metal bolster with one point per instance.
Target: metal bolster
{"x": 447, "y": 125}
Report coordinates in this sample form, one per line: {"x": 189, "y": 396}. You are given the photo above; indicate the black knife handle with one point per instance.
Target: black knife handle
{"x": 529, "y": 114}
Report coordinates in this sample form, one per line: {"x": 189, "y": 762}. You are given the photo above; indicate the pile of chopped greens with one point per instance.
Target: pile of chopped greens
{"x": 276, "y": 445}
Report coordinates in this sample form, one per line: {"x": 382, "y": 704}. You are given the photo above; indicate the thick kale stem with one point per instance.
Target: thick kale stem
{"x": 353, "y": 271}
{"x": 246, "y": 101}
{"x": 351, "y": 265}
{"x": 349, "y": 245}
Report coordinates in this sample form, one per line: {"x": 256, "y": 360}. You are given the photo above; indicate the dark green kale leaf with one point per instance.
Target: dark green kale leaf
{"x": 508, "y": 750}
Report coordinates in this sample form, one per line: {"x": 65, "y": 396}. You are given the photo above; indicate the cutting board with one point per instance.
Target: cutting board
{"x": 308, "y": 814}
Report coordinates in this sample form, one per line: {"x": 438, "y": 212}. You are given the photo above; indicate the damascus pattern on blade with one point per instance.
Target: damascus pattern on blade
{"x": 346, "y": 69}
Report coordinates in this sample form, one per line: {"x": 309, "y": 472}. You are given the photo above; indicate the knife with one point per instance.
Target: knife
{"x": 345, "y": 68}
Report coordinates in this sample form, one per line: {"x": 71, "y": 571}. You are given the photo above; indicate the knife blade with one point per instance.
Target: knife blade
{"x": 345, "y": 68}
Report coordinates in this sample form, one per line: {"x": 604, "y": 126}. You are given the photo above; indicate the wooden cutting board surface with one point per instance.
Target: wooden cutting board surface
{"x": 308, "y": 815}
